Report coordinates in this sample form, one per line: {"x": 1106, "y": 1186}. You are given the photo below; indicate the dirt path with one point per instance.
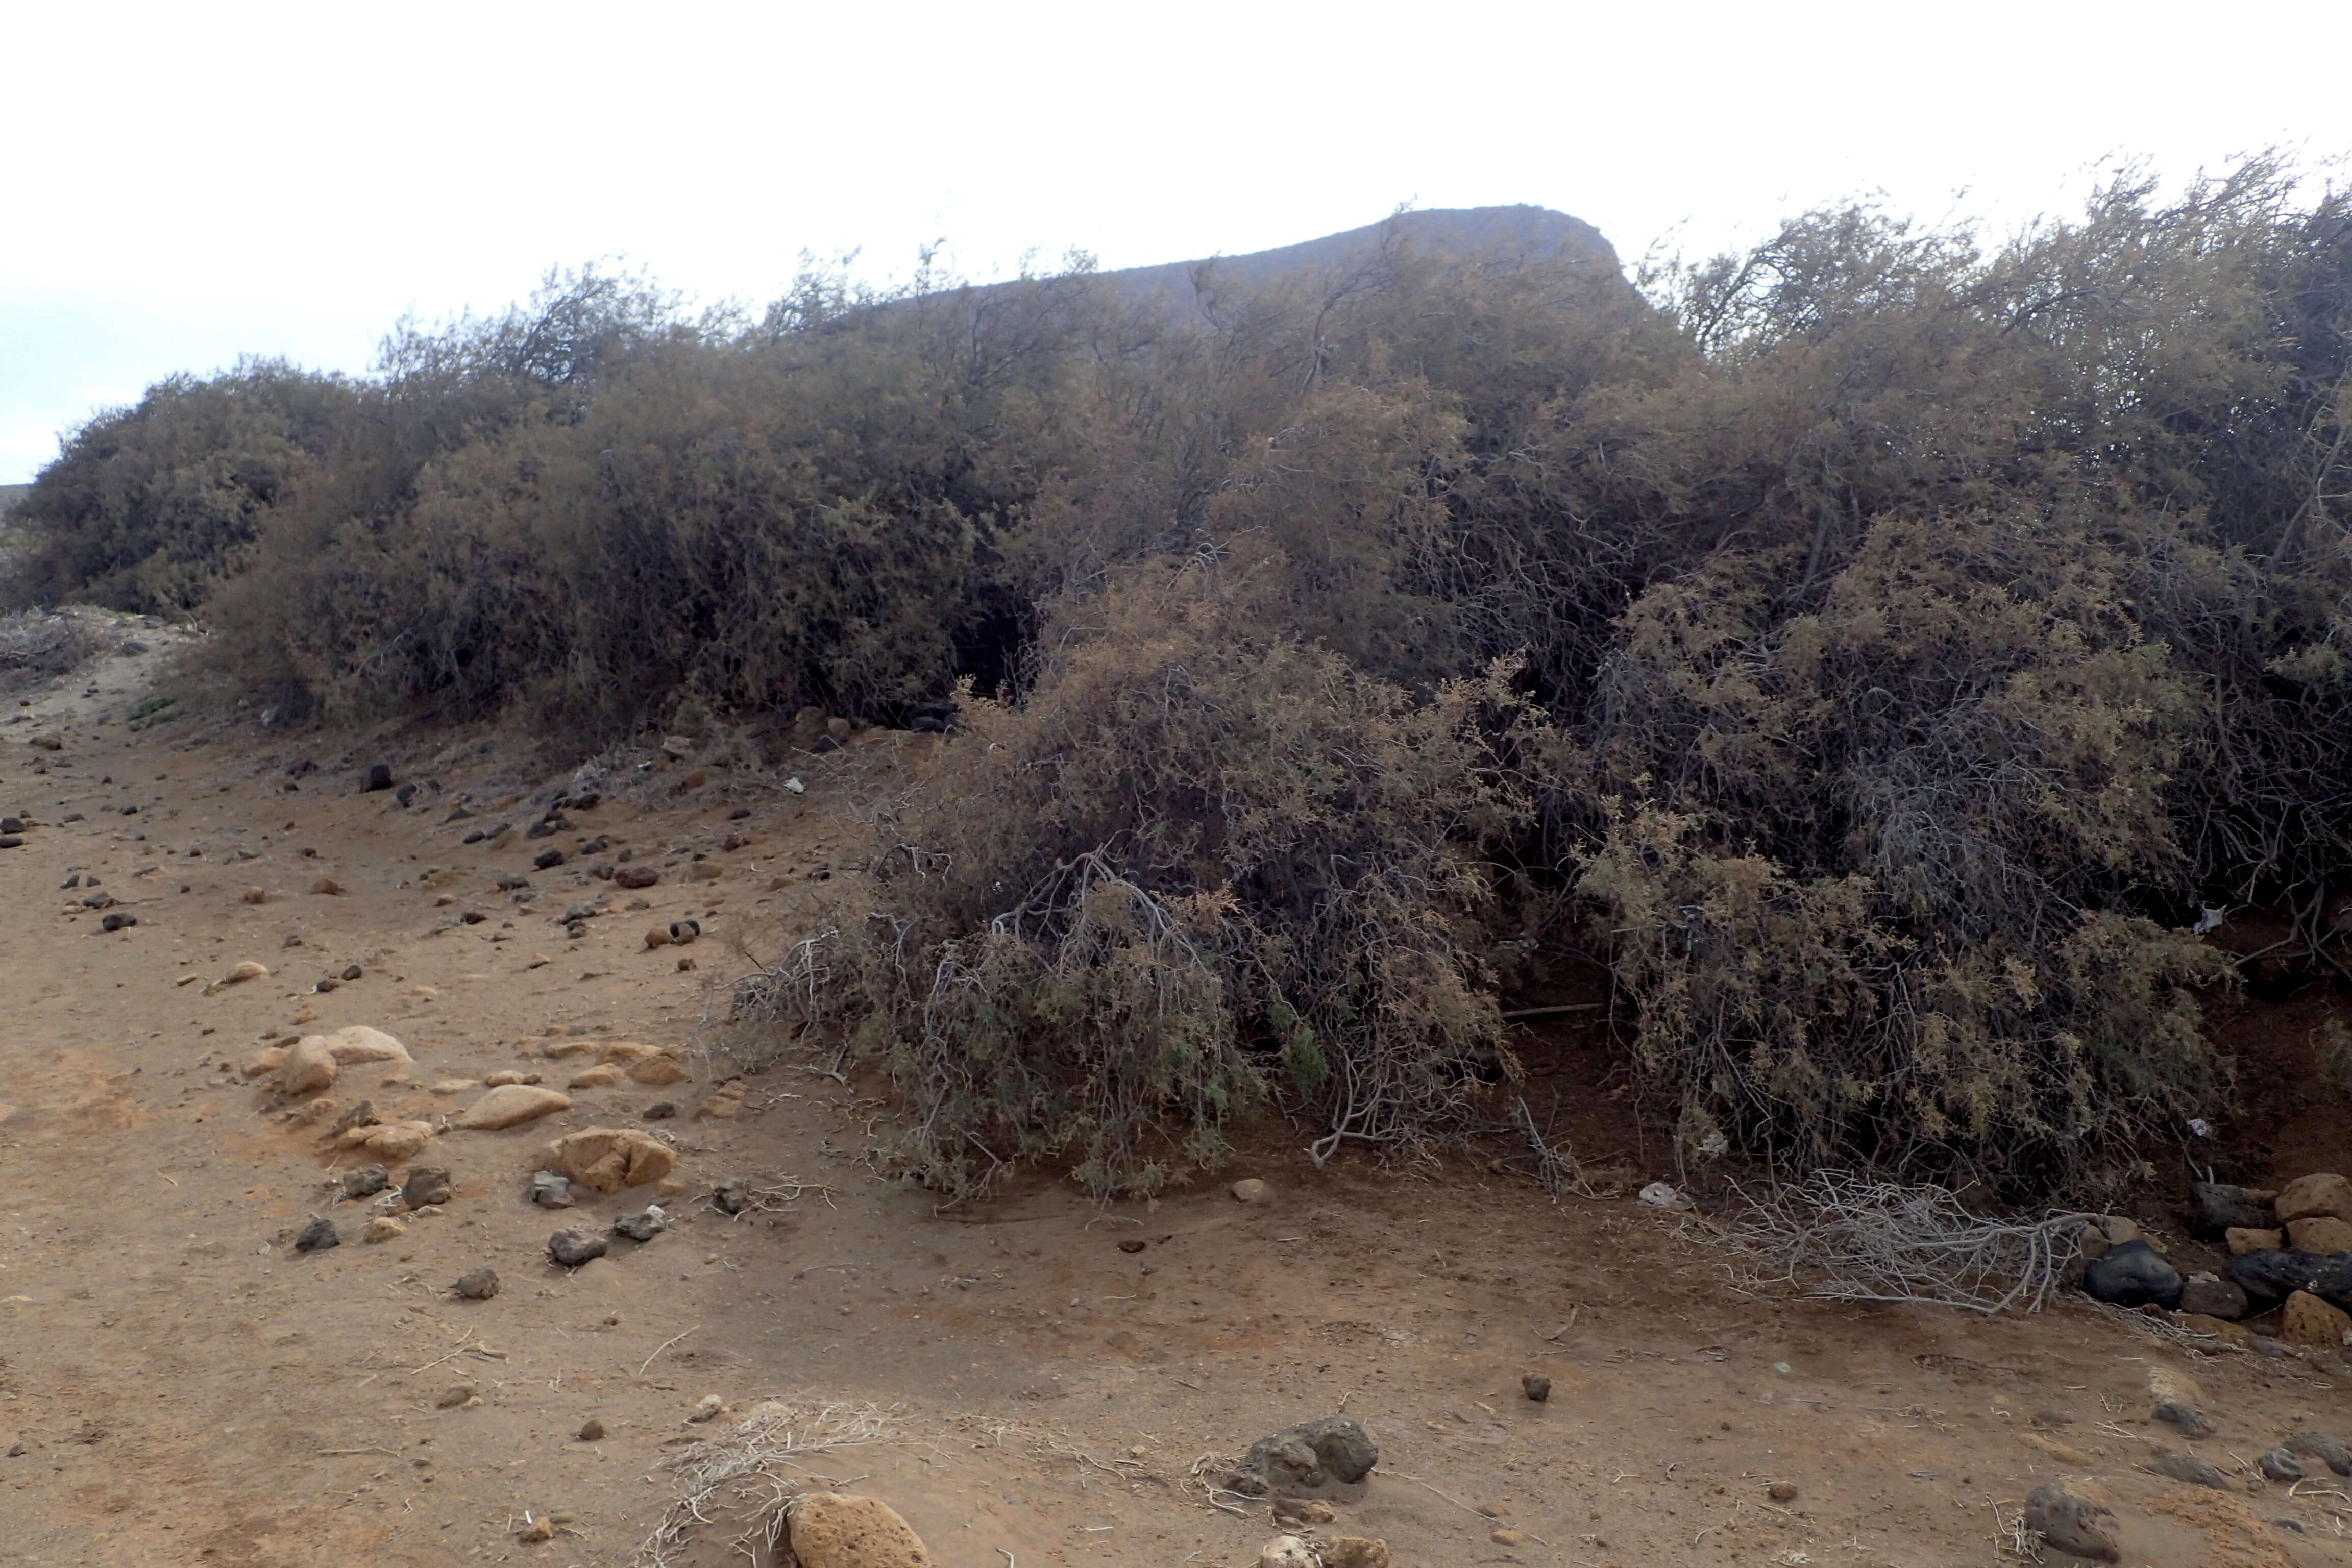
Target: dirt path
{"x": 178, "y": 1385}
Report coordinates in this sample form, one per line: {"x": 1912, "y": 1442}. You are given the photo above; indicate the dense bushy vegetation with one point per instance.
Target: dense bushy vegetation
{"x": 1873, "y": 648}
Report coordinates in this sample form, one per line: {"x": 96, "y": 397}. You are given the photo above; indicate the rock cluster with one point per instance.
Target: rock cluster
{"x": 2290, "y": 1252}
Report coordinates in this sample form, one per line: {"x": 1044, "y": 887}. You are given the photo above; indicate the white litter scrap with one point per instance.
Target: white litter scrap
{"x": 1664, "y": 1195}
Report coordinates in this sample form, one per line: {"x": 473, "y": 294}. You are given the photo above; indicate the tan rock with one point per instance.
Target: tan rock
{"x": 360, "y": 1044}
{"x": 257, "y": 895}
{"x": 505, "y": 1076}
{"x": 1286, "y": 1551}
{"x": 1355, "y": 1551}
{"x": 626, "y": 1051}
{"x": 308, "y": 1067}
{"x": 325, "y": 887}
{"x": 723, "y": 1104}
{"x": 2321, "y": 1232}
{"x": 704, "y": 871}
{"x": 248, "y": 969}
{"x": 658, "y": 1070}
{"x": 2308, "y": 1197}
{"x": 2308, "y": 1321}
{"x": 657, "y": 937}
{"x": 2065, "y": 1453}
{"x": 557, "y": 1050}
{"x": 669, "y": 1188}
{"x": 511, "y": 1105}
{"x": 393, "y": 1141}
{"x": 264, "y": 1062}
{"x": 603, "y": 1076}
{"x": 606, "y": 1159}
{"x": 2243, "y": 1240}
{"x": 1250, "y": 1190}
{"x": 383, "y": 1228}
{"x": 830, "y": 1530}
{"x": 457, "y": 1086}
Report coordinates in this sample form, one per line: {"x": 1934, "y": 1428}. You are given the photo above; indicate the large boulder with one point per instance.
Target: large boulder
{"x": 606, "y": 1159}
{"x": 2268, "y": 1277}
{"x": 2133, "y": 1275}
{"x": 2306, "y": 1197}
{"x": 2308, "y": 1321}
{"x": 829, "y": 1531}
{"x": 2214, "y": 1207}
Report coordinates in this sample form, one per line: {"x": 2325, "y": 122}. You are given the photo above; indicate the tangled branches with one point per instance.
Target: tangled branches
{"x": 756, "y": 1471}
{"x": 1844, "y": 1238}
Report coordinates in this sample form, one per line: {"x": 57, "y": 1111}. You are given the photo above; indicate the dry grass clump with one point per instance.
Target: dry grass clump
{"x": 753, "y": 1472}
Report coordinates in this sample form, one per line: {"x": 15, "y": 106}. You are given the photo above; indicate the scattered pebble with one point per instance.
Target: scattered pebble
{"x": 592, "y": 1431}
{"x": 1250, "y": 1190}
{"x": 1536, "y": 1387}
{"x": 478, "y": 1284}
{"x": 1781, "y": 1492}
{"x": 318, "y": 1236}
{"x": 709, "y": 1407}
{"x": 455, "y": 1394}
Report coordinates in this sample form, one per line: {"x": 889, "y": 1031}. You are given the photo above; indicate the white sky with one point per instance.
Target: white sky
{"x": 180, "y": 183}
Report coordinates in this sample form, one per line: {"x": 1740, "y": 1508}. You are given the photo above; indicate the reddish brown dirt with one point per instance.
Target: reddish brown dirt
{"x": 186, "y": 1390}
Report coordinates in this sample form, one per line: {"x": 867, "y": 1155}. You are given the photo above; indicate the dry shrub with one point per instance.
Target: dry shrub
{"x": 1860, "y": 881}
{"x": 1199, "y": 864}
{"x": 37, "y": 646}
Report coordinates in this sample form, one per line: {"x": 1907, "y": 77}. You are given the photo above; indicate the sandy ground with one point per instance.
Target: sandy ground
{"x": 179, "y": 1386}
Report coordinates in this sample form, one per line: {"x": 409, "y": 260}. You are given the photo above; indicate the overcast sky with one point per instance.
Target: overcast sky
{"x": 180, "y": 183}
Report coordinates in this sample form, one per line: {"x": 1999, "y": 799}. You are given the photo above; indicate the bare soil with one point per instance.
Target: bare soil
{"x": 178, "y": 1385}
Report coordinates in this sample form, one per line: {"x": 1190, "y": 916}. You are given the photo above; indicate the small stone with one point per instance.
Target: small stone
{"x": 2072, "y": 1523}
{"x": 1781, "y": 1492}
{"x": 248, "y": 969}
{"x": 2324, "y": 1449}
{"x": 684, "y": 931}
{"x": 539, "y": 1528}
{"x": 2242, "y": 1241}
{"x": 2185, "y": 1418}
{"x": 117, "y": 921}
{"x": 657, "y": 937}
{"x": 2205, "y": 1295}
{"x": 709, "y": 1407}
{"x": 309, "y": 1067}
{"x": 1287, "y": 1551}
{"x": 318, "y": 1236}
{"x": 353, "y": 971}
{"x": 1293, "y": 1512}
{"x": 478, "y": 1284}
{"x": 325, "y": 887}
{"x": 257, "y": 895}
{"x": 2281, "y": 1465}
{"x": 377, "y": 777}
{"x": 1536, "y": 1387}
{"x": 455, "y": 1394}
{"x": 425, "y": 1184}
{"x": 365, "y": 1181}
{"x": 669, "y": 1188}
{"x": 1506, "y": 1536}
{"x": 572, "y": 1248}
{"x": 383, "y": 1228}
{"x": 724, "y": 1103}
{"x": 592, "y": 1431}
{"x": 1129, "y": 1246}
{"x": 2308, "y": 1321}
{"x": 2184, "y": 1468}
{"x": 1355, "y": 1551}
{"x": 548, "y": 859}
{"x": 643, "y": 1226}
{"x": 660, "y": 1110}
{"x": 635, "y": 877}
{"x": 1250, "y": 1190}
{"x": 549, "y": 1191}
{"x": 654, "y": 1071}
